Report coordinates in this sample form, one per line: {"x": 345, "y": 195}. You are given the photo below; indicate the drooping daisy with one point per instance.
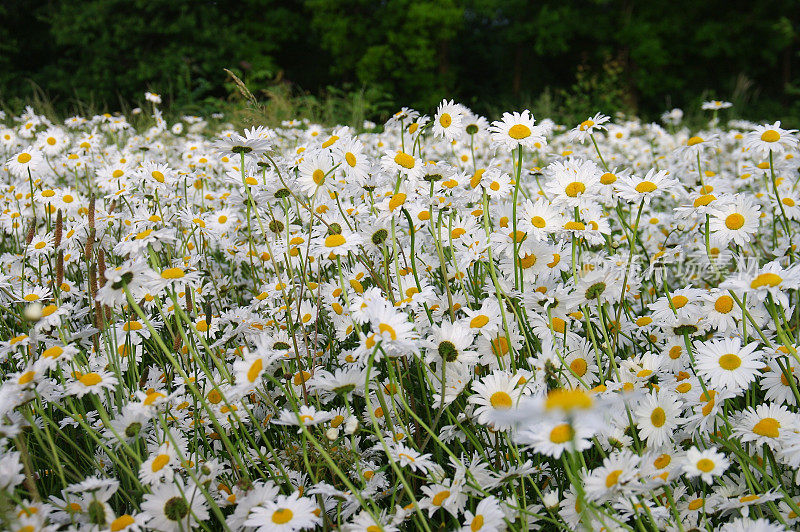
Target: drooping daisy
{"x": 772, "y": 279}
{"x": 586, "y": 128}
{"x": 770, "y": 138}
{"x": 406, "y": 456}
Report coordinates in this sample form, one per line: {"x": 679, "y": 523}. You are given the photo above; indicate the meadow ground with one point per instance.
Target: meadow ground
{"x": 440, "y": 323}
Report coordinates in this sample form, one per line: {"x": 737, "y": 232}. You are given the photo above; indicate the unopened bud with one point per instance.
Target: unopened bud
{"x": 332, "y": 434}
{"x": 33, "y": 312}
{"x": 681, "y": 227}
{"x": 351, "y": 425}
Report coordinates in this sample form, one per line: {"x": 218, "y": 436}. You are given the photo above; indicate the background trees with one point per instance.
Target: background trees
{"x": 571, "y": 55}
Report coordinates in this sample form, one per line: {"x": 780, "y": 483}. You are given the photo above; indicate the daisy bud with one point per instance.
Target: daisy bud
{"x": 550, "y": 500}
{"x": 33, "y": 312}
{"x": 681, "y": 227}
{"x": 351, "y": 425}
{"x": 332, "y": 434}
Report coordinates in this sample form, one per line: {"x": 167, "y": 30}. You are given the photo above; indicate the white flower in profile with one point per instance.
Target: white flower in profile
{"x": 517, "y": 129}
{"x": 715, "y": 105}
{"x": 306, "y": 415}
{"x": 586, "y": 128}
{"x": 770, "y": 138}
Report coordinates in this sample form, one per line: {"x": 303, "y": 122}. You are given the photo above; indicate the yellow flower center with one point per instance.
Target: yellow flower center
{"x": 696, "y": 503}
{"x": 770, "y": 135}
{"x": 658, "y": 417}
{"x": 440, "y": 497}
{"x": 573, "y": 189}
{"x": 723, "y": 304}
{"x": 662, "y": 461}
{"x": 519, "y": 131}
{"x": 646, "y": 186}
{"x": 768, "y": 427}
{"x": 445, "y": 120}
{"x": 734, "y": 221}
{"x": 766, "y": 279}
{"x": 478, "y": 321}
{"x": 561, "y": 433}
{"x": 282, "y": 516}
{"x": 90, "y": 379}
{"x": 23, "y": 158}
{"x": 705, "y": 465}
{"x": 730, "y": 362}
{"x": 255, "y": 370}
{"x": 53, "y": 352}
{"x": 579, "y": 367}
{"x": 160, "y": 461}
{"x": 500, "y": 400}
{"x": 562, "y": 399}
{"x": 613, "y": 477}
{"x": 172, "y": 273}
{"x": 608, "y": 178}
{"x": 680, "y": 301}
{"x": 121, "y": 522}
{"x": 476, "y": 524}
{"x": 397, "y": 200}
{"x": 694, "y": 140}
{"x": 386, "y": 328}
{"x": 351, "y": 159}
{"x": 586, "y": 124}
{"x": 332, "y": 241}
{"x": 404, "y": 160}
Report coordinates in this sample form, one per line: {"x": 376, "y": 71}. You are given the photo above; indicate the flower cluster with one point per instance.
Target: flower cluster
{"x": 441, "y": 323}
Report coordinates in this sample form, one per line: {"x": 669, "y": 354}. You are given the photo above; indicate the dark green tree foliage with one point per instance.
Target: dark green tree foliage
{"x": 587, "y": 54}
